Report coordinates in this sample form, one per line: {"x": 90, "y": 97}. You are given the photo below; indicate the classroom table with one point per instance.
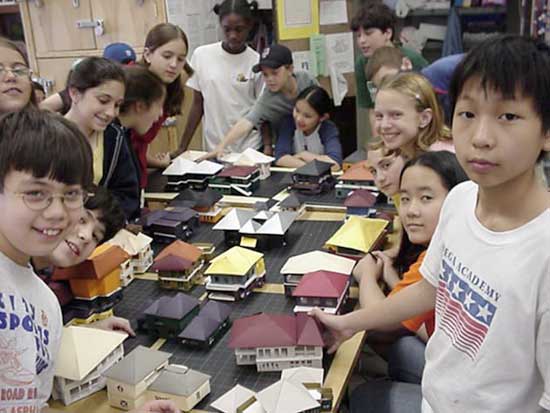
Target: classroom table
{"x": 308, "y": 234}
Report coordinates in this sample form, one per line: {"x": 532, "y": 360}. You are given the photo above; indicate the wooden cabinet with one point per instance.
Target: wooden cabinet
{"x": 58, "y": 32}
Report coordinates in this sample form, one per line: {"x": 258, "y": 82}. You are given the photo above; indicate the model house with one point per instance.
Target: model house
{"x": 358, "y": 156}
{"x": 137, "y": 246}
{"x": 259, "y": 230}
{"x": 184, "y": 173}
{"x": 357, "y": 236}
{"x": 179, "y": 266}
{"x": 298, "y": 265}
{"x": 236, "y": 180}
{"x": 235, "y": 273}
{"x": 209, "y": 325}
{"x": 313, "y": 178}
{"x": 167, "y": 316}
{"x": 128, "y": 380}
{"x": 360, "y": 202}
{"x": 251, "y": 157}
{"x": 83, "y": 356}
{"x": 184, "y": 386}
{"x": 293, "y": 203}
{"x": 356, "y": 177}
{"x": 312, "y": 380}
{"x": 205, "y": 203}
{"x": 169, "y": 225}
{"x": 277, "y": 341}
{"x": 238, "y": 399}
{"x": 324, "y": 289}
{"x": 285, "y": 396}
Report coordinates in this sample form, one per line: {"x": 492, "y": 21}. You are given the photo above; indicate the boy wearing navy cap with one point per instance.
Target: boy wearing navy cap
{"x": 282, "y": 85}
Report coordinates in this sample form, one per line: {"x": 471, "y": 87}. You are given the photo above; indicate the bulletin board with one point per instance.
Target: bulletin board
{"x": 303, "y": 45}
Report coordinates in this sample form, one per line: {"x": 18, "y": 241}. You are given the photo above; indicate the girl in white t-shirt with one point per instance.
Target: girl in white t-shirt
{"x": 224, "y": 86}
{"x": 408, "y": 117}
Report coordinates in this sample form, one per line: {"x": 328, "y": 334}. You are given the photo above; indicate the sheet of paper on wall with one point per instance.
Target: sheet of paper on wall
{"x": 338, "y": 85}
{"x": 265, "y": 4}
{"x": 297, "y": 19}
{"x": 318, "y": 55}
{"x": 339, "y": 51}
{"x": 333, "y": 12}
{"x": 302, "y": 61}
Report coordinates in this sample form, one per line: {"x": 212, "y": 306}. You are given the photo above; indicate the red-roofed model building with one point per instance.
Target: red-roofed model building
{"x": 356, "y": 177}
{"x": 277, "y": 341}
{"x": 324, "y": 289}
{"x": 360, "y": 202}
{"x": 236, "y": 180}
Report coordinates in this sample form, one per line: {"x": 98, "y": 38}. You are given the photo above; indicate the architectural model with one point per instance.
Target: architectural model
{"x": 184, "y": 173}
{"x": 360, "y": 202}
{"x": 137, "y": 246}
{"x": 179, "y": 266}
{"x": 313, "y": 178}
{"x": 167, "y": 316}
{"x": 356, "y": 177}
{"x": 251, "y": 157}
{"x": 168, "y": 225}
{"x": 208, "y": 326}
{"x": 236, "y": 180}
{"x": 205, "y": 203}
{"x": 324, "y": 289}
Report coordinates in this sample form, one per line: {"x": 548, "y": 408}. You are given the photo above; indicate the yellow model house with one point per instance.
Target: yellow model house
{"x": 235, "y": 273}
{"x": 357, "y": 236}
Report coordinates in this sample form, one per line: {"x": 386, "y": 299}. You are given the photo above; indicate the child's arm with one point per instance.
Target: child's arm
{"x": 411, "y": 301}
{"x": 267, "y": 139}
{"x": 53, "y": 103}
{"x": 289, "y": 161}
{"x": 195, "y": 115}
{"x": 238, "y": 131}
{"x": 159, "y": 161}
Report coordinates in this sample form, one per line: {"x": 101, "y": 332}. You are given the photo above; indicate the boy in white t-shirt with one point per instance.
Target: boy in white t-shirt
{"x": 487, "y": 270}
{"x": 41, "y": 196}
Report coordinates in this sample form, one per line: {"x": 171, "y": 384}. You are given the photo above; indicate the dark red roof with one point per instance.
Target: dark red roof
{"x": 360, "y": 198}
{"x": 323, "y": 284}
{"x": 275, "y": 330}
{"x": 171, "y": 263}
{"x": 237, "y": 171}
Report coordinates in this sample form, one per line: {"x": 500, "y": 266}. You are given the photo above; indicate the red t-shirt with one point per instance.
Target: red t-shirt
{"x": 412, "y": 276}
{"x": 140, "y": 143}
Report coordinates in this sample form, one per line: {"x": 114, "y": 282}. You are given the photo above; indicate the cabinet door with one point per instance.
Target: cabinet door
{"x": 126, "y": 21}
{"x": 54, "y": 26}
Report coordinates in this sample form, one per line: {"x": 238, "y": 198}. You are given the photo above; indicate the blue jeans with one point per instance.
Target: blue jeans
{"x": 406, "y": 360}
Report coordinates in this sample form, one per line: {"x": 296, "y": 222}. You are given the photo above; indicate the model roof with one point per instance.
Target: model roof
{"x": 129, "y": 242}
{"x": 235, "y": 261}
{"x": 180, "y": 214}
{"x": 171, "y": 263}
{"x": 240, "y": 171}
{"x": 200, "y": 328}
{"x": 83, "y": 348}
{"x": 278, "y": 223}
{"x": 292, "y": 201}
{"x": 137, "y": 365}
{"x": 358, "y": 233}
{"x": 150, "y": 218}
{"x": 230, "y": 401}
{"x": 301, "y": 375}
{"x": 215, "y": 310}
{"x": 175, "y": 308}
{"x": 234, "y": 220}
{"x": 248, "y": 157}
{"x": 286, "y": 397}
{"x": 195, "y": 199}
{"x": 104, "y": 259}
{"x": 314, "y": 168}
{"x": 357, "y": 172}
{"x": 181, "y": 249}
{"x": 324, "y": 284}
{"x": 275, "y": 330}
{"x": 361, "y": 198}
{"x": 317, "y": 260}
{"x": 179, "y": 380}
{"x": 250, "y": 227}
{"x": 182, "y": 166}
{"x": 264, "y": 205}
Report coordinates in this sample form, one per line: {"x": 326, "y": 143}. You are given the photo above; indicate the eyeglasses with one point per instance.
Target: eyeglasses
{"x": 18, "y": 71}
{"x": 40, "y": 200}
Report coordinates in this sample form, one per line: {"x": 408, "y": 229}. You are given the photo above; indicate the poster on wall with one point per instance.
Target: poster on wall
{"x": 197, "y": 20}
{"x": 297, "y": 19}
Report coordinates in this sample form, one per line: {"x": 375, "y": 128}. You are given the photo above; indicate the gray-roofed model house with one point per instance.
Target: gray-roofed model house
{"x": 168, "y": 316}
{"x": 128, "y": 380}
{"x": 180, "y": 384}
{"x": 313, "y": 178}
{"x": 208, "y": 326}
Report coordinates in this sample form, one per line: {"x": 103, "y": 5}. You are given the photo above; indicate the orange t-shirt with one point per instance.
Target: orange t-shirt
{"x": 411, "y": 277}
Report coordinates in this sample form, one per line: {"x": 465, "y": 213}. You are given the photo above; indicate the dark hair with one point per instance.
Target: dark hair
{"x": 528, "y": 63}
{"x": 384, "y": 56}
{"x": 158, "y": 36}
{"x": 36, "y": 142}
{"x": 142, "y": 85}
{"x": 241, "y": 7}
{"x": 19, "y": 47}
{"x": 318, "y": 99}
{"x": 374, "y": 15}
{"x": 93, "y": 71}
{"x": 112, "y": 215}
{"x": 446, "y": 166}
{"x": 37, "y": 86}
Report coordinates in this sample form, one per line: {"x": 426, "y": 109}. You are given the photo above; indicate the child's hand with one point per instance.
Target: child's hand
{"x": 163, "y": 159}
{"x": 217, "y": 153}
{"x": 115, "y": 324}
{"x": 368, "y": 266}
{"x": 335, "y": 326}
{"x": 390, "y": 275}
{"x": 268, "y": 150}
{"x": 158, "y": 406}
{"x": 306, "y": 156}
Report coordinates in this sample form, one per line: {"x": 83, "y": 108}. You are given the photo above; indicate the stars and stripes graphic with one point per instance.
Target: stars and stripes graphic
{"x": 463, "y": 314}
